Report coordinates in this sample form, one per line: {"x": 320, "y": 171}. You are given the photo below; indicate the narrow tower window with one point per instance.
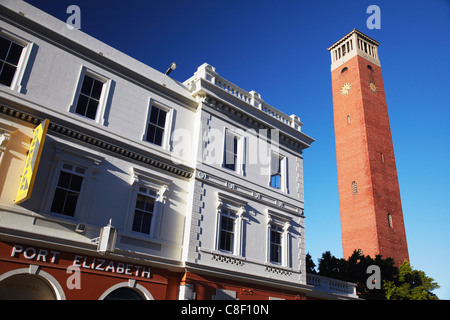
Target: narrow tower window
{"x": 354, "y": 187}
{"x": 390, "y": 221}
{"x": 348, "y": 119}
{"x": 381, "y": 156}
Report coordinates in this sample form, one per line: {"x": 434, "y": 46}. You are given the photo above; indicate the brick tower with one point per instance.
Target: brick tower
{"x": 369, "y": 195}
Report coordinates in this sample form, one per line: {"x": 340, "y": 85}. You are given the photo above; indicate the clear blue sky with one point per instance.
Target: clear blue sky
{"x": 278, "y": 48}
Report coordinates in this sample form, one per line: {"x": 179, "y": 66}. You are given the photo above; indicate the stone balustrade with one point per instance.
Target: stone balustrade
{"x": 253, "y": 98}
{"x": 331, "y": 285}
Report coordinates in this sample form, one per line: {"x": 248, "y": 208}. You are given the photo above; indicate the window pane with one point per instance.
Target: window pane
{"x": 97, "y": 89}
{"x": 149, "y": 204}
{"x": 58, "y": 200}
{"x": 275, "y": 164}
{"x": 64, "y": 180}
{"x": 82, "y": 104}
{"x": 71, "y": 204}
{"x": 275, "y": 237}
{"x": 80, "y": 170}
{"x": 226, "y": 240}
{"x": 158, "y": 136}
{"x": 230, "y": 151}
{"x": 142, "y": 222}
{"x": 228, "y": 224}
{"x": 67, "y": 166}
{"x": 14, "y": 54}
{"x": 75, "y": 183}
{"x": 146, "y": 223}
{"x": 162, "y": 118}
{"x": 275, "y": 253}
{"x": 226, "y": 232}
{"x": 4, "y": 47}
{"x": 275, "y": 181}
{"x": 87, "y": 85}
{"x": 154, "y": 115}
{"x": 137, "y": 221}
{"x": 275, "y": 243}
{"x": 151, "y": 133}
{"x": 92, "y": 109}
{"x": 7, "y": 74}
{"x": 140, "y": 202}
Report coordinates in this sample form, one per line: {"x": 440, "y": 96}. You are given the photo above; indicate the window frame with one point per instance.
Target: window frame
{"x": 167, "y": 124}
{"x": 70, "y": 154}
{"x": 147, "y": 193}
{"x": 276, "y": 228}
{"x": 100, "y": 112}
{"x": 160, "y": 186}
{"x": 282, "y": 172}
{"x": 238, "y": 207}
{"x": 239, "y": 166}
{"x": 284, "y": 223}
{"x": 72, "y": 172}
{"x": 230, "y": 215}
{"x": 28, "y": 46}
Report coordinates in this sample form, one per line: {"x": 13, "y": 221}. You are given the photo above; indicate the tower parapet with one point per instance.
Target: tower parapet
{"x": 352, "y": 44}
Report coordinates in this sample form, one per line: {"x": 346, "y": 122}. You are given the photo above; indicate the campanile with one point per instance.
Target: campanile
{"x": 369, "y": 195}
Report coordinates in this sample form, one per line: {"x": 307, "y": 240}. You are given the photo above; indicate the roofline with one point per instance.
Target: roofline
{"x": 359, "y": 33}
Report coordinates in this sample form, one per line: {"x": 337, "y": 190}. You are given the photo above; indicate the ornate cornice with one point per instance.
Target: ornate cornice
{"x": 99, "y": 143}
{"x": 286, "y": 139}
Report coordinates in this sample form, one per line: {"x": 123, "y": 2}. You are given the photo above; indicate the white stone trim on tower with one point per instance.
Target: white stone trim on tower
{"x": 352, "y": 44}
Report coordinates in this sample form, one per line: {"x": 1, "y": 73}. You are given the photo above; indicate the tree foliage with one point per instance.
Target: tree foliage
{"x": 396, "y": 283}
{"x": 410, "y": 285}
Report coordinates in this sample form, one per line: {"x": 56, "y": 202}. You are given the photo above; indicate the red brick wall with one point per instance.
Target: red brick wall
{"x": 359, "y": 145}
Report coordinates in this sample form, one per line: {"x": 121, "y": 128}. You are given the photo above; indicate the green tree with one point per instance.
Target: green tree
{"x": 396, "y": 283}
{"x": 330, "y": 266}
{"x": 410, "y": 285}
{"x": 310, "y": 265}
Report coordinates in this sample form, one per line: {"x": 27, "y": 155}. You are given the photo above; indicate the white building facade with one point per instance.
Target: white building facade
{"x": 202, "y": 180}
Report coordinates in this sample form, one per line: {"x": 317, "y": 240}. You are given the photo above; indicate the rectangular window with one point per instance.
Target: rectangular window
{"x": 144, "y": 210}
{"x": 156, "y": 125}
{"x": 275, "y": 171}
{"x": 231, "y": 151}
{"x": 10, "y": 53}
{"x": 89, "y": 97}
{"x": 276, "y": 233}
{"x": 226, "y": 240}
{"x": 68, "y": 190}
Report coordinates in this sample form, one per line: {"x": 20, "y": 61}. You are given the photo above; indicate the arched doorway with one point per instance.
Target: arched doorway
{"x": 124, "y": 294}
{"x": 25, "y": 287}
{"x": 126, "y": 291}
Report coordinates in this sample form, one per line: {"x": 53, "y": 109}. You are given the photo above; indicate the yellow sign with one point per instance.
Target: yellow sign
{"x": 32, "y": 162}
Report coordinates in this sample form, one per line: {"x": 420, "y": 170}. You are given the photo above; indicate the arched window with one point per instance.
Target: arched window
{"x": 25, "y": 287}
{"x": 344, "y": 69}
{"x": 354, "y": 187}
{"x": 390, "y": 220}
